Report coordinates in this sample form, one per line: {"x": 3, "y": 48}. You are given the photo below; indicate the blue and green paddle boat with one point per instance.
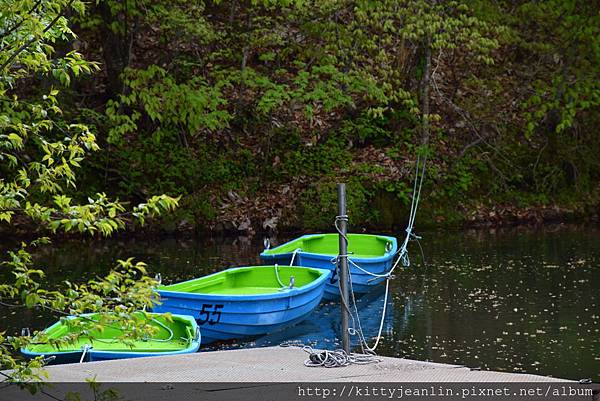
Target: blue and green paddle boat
{"x": 246, "y": 301}
{"x": 366, "y": 254}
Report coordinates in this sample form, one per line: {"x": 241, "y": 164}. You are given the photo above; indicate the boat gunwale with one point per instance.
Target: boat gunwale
{"x": 268, "y": 253}
{"x": 323, "y": 276}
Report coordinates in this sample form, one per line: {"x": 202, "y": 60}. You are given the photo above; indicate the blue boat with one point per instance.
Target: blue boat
{"x": 175, "y": 335}
{"x": 370, "y": 258}
{"x": 246, "y": 301}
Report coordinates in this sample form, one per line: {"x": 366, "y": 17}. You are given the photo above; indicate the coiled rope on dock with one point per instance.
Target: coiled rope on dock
{"x": 332, "y": 359}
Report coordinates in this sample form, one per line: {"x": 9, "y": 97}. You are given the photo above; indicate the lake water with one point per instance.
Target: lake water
{"x": 515, "y": 300}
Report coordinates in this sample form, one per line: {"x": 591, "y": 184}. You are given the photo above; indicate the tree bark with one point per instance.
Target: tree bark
{"x": 116, "y": 47}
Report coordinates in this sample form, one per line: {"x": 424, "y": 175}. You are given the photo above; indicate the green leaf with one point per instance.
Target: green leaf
{"x": 31, "y": 300}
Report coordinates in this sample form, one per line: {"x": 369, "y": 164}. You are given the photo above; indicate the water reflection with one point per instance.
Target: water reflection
{"x": 514, "y": 300}
{"x": 322, "y": 329}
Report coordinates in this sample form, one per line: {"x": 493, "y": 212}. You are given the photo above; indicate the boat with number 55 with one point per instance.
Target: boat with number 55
{"x": 370, "y": 257}
{"x": 246, "y": 301}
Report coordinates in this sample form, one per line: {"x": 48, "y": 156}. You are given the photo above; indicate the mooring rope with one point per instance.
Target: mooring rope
{"x": 375, "y": 275}
{"x": 402, "y": 258}
{"x": 277, "y": 276}
{"x": 363, "y": 340}
{"x": 164, "y": 326}
{"x": 332, "y": 359}
{"x": 356, "y": 320}
{"x": 85, "y": 349}
{"x": 289, "y": 286}
{"x": 296, "y": 251}
{"x": 414, "y": 205}
{"x": 343, "y": 217}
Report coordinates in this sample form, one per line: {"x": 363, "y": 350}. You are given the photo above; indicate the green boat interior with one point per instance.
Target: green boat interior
{"x": 248, "y": 281}
{"x": 168, "y": 336}
{"x": 359, "y": 245}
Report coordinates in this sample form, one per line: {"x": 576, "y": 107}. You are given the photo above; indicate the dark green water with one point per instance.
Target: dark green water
{"x": 515, "y": 300}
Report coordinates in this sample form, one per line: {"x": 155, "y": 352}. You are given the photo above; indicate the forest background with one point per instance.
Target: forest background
{"x": 251, "y": 111}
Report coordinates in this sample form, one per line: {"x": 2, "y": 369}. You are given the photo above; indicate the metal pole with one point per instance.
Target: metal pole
{"x": 343, "y": 265}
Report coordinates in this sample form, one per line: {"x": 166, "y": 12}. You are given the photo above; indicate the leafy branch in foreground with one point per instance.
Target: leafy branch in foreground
{"x": 40, "y": 153}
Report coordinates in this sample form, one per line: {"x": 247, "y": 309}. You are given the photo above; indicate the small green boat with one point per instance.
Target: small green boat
{"x": 178, "y": 335}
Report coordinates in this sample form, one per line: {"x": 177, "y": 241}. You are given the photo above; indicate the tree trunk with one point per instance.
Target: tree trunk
{"x": 116, "y": 46}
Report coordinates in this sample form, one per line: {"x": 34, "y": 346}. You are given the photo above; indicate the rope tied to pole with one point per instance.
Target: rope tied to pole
{"x": 343, "y": 217}
{"x": 403, "y": 258}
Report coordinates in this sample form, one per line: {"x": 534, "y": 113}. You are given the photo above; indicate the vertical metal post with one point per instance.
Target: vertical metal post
{"x": 343, "y": 265}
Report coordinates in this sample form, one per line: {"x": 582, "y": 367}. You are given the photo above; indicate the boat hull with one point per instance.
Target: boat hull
{"x": 108, "y": 356}
{"x": 361, "y": 282}
{"x": 223, "y": 317}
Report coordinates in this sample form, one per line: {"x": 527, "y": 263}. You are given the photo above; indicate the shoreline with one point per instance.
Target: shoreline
{"x": 506, "y": 218}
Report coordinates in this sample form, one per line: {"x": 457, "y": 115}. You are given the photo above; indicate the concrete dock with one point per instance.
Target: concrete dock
{"x": 272, "y": 364}
{"x": 279, "y": 373}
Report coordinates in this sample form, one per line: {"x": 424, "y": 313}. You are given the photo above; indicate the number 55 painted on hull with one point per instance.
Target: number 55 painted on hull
{"x": 246, "y": 301}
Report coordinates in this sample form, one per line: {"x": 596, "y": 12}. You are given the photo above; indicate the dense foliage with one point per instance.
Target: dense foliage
{"x": 252, "y": 110}
{"x": 41, "y": 150}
